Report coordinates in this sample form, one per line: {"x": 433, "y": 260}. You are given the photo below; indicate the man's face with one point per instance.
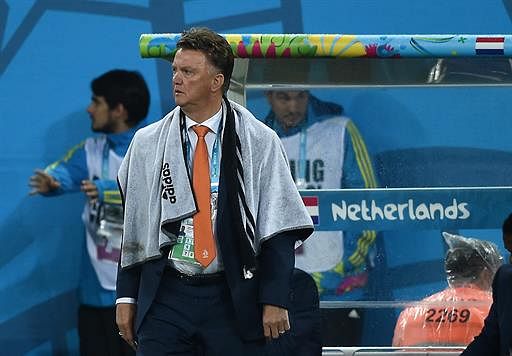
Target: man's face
{"x": 192, "y": 78}
{"x": 290, "y": 107}
{"x": 101, "y": 116}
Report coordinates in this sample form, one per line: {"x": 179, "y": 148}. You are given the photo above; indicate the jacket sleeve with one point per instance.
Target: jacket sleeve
{"x": 276, "y": 262}
{"x": 108, "y": 191}
{"x": 488, "y": 341}
{"x": 70, "y": 170}
{"x": 128, "y": 279}
{"x": 358, "y": 171}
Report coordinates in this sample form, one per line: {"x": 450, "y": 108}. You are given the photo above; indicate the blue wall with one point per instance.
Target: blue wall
{"x": 49, "y": 52}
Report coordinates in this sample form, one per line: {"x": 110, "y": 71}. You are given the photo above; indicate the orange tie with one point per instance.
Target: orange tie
{"x": 204, "y": 245}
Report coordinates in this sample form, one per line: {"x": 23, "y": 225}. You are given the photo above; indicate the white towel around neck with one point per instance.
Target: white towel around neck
{"x": 155, "y": 164}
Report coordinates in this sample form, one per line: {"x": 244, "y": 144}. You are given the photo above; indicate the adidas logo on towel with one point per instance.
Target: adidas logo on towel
{"x": 167, "y": 186}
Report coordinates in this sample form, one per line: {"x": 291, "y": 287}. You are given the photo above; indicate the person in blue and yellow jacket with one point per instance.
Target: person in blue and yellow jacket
{"x": 119, "y": 103}
{"x": 326, "y": 151}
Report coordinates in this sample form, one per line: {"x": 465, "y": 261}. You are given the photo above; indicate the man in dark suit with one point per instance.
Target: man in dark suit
{"x": 210, "y": 278}
{"x": 496, "y": 335}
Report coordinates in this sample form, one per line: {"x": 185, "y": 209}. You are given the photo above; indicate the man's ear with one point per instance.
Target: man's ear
{"x": 269, "y": 95}
{"x": 218, "y": 82}
{"x": 119, "y": 112}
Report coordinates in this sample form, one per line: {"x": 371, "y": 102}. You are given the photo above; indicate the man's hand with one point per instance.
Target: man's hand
{"x": 125, "y": 317}
{"x": 90, "y": 189}
{"x": 275, "y": 321}
{"x": 41, "y": 183}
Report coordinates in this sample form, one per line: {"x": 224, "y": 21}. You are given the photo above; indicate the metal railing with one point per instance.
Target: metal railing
{"x": 392, "y": 351}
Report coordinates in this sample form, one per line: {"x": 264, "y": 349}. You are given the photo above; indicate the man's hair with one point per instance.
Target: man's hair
{"x": 463, "y": 262}
{"x": 507, "y": 226}
{"x": 215, "y": 47}
{"x": 466, "y": 258}
{"x": 124, "y": 87}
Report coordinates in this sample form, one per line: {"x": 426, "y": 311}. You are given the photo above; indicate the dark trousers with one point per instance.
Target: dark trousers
{"x": 199, "y": 320}
{"x": 98, "y": 333}
{"x": 341, "y": 327}
{"x": 192, "y": 319}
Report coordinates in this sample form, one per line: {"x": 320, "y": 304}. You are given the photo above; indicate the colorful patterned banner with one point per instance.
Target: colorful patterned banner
{"x": 334, "y": 46}
{"x": 408, "y": 209}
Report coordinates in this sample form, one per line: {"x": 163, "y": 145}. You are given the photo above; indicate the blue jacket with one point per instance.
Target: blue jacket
{"x": 496, "y": 335}
{"x": 71, "y": 170}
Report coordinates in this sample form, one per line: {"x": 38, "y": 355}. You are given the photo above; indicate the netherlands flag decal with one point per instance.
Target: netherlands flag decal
{"x": 490, "y": 45}
{"x": 311, "y": 204}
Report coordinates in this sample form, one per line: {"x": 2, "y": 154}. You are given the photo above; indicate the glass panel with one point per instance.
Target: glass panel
{"x": 356, "y": 123}
{"x": 296, "y": 72}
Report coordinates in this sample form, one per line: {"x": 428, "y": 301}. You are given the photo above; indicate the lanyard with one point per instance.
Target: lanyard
{"x": 300, "y": 171}
{"x": 300, "y": 180}
{"x": 104, "y": 163}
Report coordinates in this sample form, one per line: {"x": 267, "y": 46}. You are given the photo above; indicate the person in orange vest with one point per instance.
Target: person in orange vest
{"x": 454, "y": 316}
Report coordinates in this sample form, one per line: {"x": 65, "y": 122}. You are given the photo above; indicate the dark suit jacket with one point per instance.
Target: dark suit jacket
{"x": 496, "y": 335}
{"x": 270, "y": 285}
{"x": 305, "y": 336}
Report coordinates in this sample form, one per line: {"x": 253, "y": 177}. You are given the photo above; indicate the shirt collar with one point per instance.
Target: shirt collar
{"x": 212, "y": 123}
{"x": 119, "y": 142}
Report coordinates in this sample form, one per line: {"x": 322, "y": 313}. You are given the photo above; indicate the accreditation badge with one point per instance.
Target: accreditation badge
{"x": 183, "y": 250}
{"x": 111, "y": 224}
